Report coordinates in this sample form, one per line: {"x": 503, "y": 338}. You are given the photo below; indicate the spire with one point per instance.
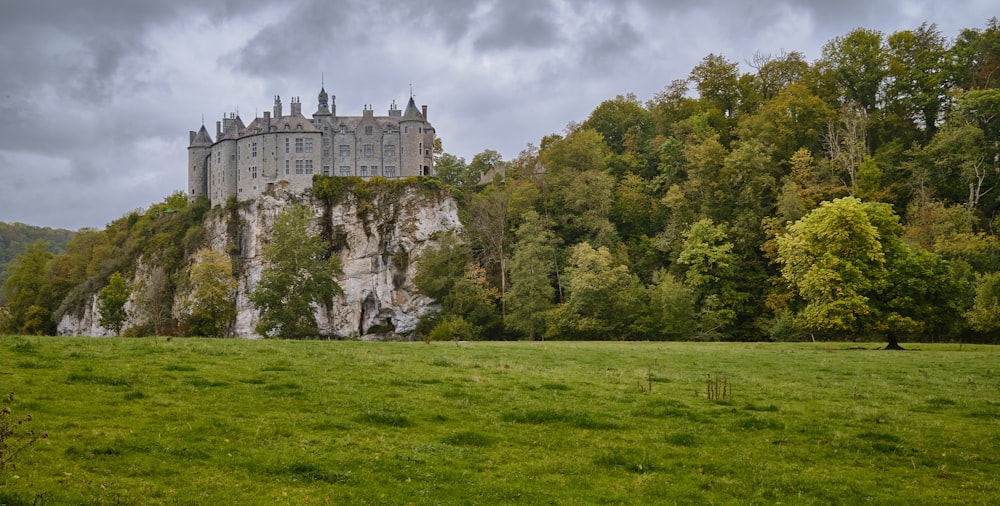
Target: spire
{"x": 412, "y": 113}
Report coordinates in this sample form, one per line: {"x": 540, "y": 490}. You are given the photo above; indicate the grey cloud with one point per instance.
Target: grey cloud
{"x": 519, "y": 24}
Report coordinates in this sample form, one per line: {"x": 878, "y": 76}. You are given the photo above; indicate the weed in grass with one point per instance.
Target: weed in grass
{"x": 468, "y": 438}
{"x": 443, "y": 362}
{"x": 755, "y": 423}
{"x": 385, "y": 415}
{"x": 546, "y": 416}
{"x": 555, "y": 386}
{"x": 629, "y": 459}
{"x": 134, "y": 395}
{"x": 179, "y": 368}
{"x": 90, "y": 378}
{"x": 753, "y": 407}
{"x": 205, "y": 383}
{"x": 681, "y": 439}
{"x": 718, "y": 388}
{"x": 14, "y": 436}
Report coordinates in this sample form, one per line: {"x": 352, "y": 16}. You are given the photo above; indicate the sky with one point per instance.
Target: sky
{"x": 97, "y": 97}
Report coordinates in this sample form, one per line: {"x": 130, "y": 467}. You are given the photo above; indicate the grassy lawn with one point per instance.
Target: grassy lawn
{"x": 194, "y": 421}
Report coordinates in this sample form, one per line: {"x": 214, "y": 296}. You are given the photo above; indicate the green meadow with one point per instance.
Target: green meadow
{"x": 198, "y": 421}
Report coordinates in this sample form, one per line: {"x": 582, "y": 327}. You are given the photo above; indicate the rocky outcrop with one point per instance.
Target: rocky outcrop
{"x": 379, "y": 238}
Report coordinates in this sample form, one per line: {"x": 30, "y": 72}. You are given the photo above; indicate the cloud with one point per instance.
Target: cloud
{"x": 96, "y": 97}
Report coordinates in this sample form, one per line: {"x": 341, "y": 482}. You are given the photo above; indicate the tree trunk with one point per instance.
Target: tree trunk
{"x": 893, "y": 342}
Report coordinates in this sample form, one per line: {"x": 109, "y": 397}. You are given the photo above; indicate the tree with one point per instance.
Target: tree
{"x": 671, "y": 308}
{"x": 857, "y": 64}
{"x": 153, "y": 299}
{"x": 298, "y": 277}
{"x": 984, "y": 316}
{"x": 27, "y": 292}
{"x": 855, "y": 275}
{"x": 604, "y": 301}
{"x": 209, "y": 309}
{"x": 111, "y": 302}
{"x": 454, "y": 171}
{"x": 716, "y": 80}
{"x": 531, "y": 293}
{"x": 711, "y": 268}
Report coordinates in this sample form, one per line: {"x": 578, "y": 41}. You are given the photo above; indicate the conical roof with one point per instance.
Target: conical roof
{"x": 412, "y": 113}
{"x": 202, "y": 138}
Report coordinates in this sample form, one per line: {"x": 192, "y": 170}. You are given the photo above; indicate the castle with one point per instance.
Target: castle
{"x": 245, "y": 161}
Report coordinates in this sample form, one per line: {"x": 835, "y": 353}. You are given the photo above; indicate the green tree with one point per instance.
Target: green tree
{"x": 711, "y": 269}
{"x": 531, "y": 293}
{"x": 299, "y": 275}
{"x": 855, "y": 275}
{"x": 671, "y": 314}
{"x": 604, "y": 300}
{"x": 984, "y": 316}
{"x": 209, "y": 308}
{"x": 454, "y": 171}
{"x": 111, "y": 302}
{"x": 27, "y": 291}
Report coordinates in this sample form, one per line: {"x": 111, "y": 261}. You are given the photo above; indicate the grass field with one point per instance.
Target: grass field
{"x": 193, "y": 421}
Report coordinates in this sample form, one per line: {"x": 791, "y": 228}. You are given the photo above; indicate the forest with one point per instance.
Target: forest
{"x": 848, "y": 198}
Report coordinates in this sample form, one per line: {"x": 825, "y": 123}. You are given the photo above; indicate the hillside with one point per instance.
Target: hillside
{"x": 15, "y": 238}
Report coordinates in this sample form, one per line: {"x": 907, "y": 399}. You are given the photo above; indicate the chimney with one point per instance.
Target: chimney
{"x": 296, "y": 107}
{"x": 218, "y": 129}
{"x": 277, "y": 106}
{"x": 424, "y": 108}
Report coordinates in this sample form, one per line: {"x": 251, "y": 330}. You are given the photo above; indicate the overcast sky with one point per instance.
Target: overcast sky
{"x": 97, "y": 97}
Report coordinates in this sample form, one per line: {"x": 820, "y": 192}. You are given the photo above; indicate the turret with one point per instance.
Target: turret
{"x": 199, "y": 149}
{"x": 277, "y": 107}
{"x": 411, "y": 137}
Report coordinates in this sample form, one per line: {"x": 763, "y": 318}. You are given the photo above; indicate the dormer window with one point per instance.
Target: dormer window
{"x": 368, "y": 130}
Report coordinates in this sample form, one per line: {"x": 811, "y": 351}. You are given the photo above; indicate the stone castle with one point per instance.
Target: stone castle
{"x": 281, "y": 150}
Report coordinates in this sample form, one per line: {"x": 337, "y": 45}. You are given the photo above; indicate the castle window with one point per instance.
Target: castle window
{"x": 364, "y": 171}
{"x": 326, "y": 170}
{"x": 299, "y": 145}
{"x": 232, "y": 157}
{"x": 218, "y": 158}
{"x": 390, "y": 171}
{"x": 345, "y": 150}
{"x": 253, "y": 149}
{"x": 406, "y": 129}
{"x": 369, "y": 150}
{"x": 253, "y": 174}
{"x": 343, "y": 129}
{"x": 309, "y": 166}
{"x": 389, "y": 151}
{"x": 287, "y": 169}
{"x": 368, "y": 130}
{"x": 374, "y": 170}
{"x": 345, "y": 170}
{"x": 287, "y": 142}
{"x": 299, "y": 166}
{"x": 309, "y": 145}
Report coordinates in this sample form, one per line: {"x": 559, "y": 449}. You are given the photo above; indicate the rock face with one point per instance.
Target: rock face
{"x": 379, "y": 239}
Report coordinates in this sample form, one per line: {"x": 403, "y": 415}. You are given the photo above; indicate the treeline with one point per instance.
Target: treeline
{"x": 853, "y": 197}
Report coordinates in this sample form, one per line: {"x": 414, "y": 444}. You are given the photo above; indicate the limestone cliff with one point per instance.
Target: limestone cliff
{"x": 378, "y": 232}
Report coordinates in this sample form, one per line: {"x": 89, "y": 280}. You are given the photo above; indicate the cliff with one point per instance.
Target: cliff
{"x": 378, "y": 229}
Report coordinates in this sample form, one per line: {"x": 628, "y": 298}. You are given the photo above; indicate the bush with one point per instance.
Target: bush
{"x": 453, "y": 328}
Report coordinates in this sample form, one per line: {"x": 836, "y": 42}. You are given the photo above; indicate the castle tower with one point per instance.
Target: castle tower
{"x": 199, "y": 149}
{"x": 412, "y": 140}
{"x": 223, "y": 173}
